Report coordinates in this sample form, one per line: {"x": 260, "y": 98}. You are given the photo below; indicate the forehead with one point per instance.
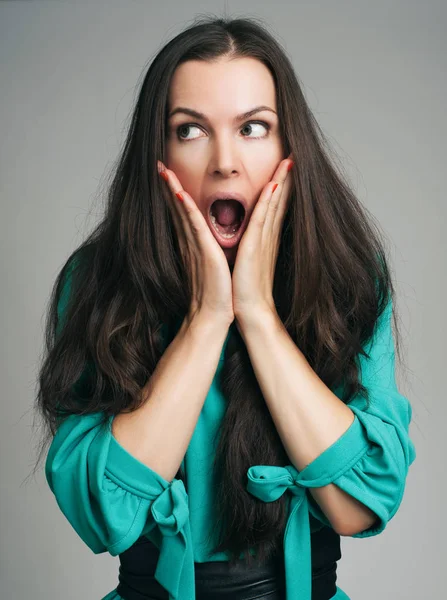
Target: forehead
{"x": 222, "y": 88}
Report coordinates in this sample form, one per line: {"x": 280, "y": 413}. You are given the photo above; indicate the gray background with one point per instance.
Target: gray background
{"x": 375, "y": 76}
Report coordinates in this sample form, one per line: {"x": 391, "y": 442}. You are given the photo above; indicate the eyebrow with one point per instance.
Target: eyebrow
{"x": 237, "y": 119}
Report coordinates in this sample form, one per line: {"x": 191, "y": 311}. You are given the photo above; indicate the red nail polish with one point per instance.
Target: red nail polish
{"x": 290, "y": 166}
{"x": 179, "y": 196}
{"x": 274, "y": 187}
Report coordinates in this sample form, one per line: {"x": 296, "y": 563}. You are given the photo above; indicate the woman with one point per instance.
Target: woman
{"x": 222, "y": 341}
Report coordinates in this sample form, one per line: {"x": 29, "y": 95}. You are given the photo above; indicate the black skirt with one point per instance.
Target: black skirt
{"x": 215, "y": 580}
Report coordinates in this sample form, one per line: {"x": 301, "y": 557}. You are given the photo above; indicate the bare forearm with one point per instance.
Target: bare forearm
{"x": 158, "y": 433}
{"x": 308, "y": 416}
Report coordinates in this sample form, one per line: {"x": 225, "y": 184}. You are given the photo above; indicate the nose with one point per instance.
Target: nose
{"x": 224, "y": 159}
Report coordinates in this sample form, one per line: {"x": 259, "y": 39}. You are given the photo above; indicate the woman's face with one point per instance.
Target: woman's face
{"x": 218, "y": 152}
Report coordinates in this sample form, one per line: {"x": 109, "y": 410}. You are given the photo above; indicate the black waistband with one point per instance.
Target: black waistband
{"x": 138, "y": 564}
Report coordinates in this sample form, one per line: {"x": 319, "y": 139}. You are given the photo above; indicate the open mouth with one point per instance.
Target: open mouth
{"x": 228, "y": 220}
{"x": 227, "y": 215}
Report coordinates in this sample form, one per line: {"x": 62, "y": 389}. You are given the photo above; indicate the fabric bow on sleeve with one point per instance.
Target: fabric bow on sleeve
{"x": 169, "y": 526}
{"x": 268, "y": 483}
{"x": 112, "y": 499}
{"x": 175, "y": 564}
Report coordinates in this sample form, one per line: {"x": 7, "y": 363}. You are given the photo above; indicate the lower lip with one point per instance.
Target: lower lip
{"x": 228, "y": 242}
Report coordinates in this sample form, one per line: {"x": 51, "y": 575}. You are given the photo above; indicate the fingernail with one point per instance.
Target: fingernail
{"x": 159, "y": 166}
{"x": 179, "y": 196}
{"x": 274, "y": 187}
{"x": 290, "y": 166}
{"x": 164, "y": 175}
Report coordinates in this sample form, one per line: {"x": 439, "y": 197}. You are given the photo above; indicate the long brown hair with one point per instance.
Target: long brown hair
{"x": 332, "y": 283}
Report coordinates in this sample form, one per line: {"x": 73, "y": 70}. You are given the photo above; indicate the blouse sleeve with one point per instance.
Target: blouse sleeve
{"x": 370, "y": 461}
{"x": 111, "y": 498}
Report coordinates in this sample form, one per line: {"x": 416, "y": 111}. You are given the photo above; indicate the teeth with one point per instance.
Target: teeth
{"x": 224, "y": 235}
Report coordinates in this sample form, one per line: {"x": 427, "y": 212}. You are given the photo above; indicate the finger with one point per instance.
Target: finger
{"x": 174, "y": 187}
{"x": 199, "y": 238}
{"x": 198, "y": 231}
{"x": 276, "y": 208}
{"x": 257, "y": 218}
{"x": 284, "y": 202}
{"x": 195, "y": 224}
{"x": 182, "y": 225}
{"x": 176, "y": 217}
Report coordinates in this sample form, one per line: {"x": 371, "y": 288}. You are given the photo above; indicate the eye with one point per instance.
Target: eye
{"x": 249, "y": 124}
{"x": 184, "y": 127}
{"x": 262, "y": 123}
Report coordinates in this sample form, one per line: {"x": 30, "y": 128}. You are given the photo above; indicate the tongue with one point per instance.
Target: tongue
{"x": 226, "y": 212}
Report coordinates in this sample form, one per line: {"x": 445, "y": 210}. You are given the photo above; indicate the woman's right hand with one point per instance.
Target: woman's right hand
{"x": 203, "y": 258}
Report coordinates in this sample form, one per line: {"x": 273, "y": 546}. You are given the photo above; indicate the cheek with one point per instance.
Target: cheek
{"x": 265, "y": 171}
{"x": 265, "y": 161}
{"x": 186, "y": 170}
{"x": 189, "y": 176}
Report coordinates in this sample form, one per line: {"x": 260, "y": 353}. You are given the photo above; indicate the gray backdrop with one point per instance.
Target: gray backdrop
{"x": 375, "y": 76}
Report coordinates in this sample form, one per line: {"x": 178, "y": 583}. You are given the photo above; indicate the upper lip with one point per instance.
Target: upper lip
{"x": 222, "y": 194}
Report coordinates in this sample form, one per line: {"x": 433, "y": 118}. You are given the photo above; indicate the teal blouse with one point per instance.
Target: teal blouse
{"x": 111, "y": 498}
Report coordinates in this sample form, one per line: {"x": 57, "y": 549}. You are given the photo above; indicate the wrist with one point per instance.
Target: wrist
{"x": 256, "y": 319}
{"x": 205, "y": 322}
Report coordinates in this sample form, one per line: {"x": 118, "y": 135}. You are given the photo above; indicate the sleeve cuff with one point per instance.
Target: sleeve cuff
{"x": 340, "y": 456}
{"x": 131, "y": 473}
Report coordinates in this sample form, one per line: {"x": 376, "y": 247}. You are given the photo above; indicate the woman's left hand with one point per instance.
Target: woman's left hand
{"x": 255, "y": 264}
